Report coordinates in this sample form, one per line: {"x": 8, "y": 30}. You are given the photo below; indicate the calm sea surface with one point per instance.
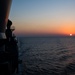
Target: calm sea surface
{"x": 48, "y": 56}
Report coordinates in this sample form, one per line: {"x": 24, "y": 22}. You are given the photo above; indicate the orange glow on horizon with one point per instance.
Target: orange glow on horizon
{"x": 70, "y": 34}
{"x": 63, "y": 28}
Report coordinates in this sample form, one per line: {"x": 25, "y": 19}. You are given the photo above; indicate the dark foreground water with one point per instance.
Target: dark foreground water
{"x": 48, "y": 56}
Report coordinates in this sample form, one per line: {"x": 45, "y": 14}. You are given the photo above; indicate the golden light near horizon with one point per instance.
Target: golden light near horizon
{"x": 44, "y": 17}
{"x": 70, "y": 34}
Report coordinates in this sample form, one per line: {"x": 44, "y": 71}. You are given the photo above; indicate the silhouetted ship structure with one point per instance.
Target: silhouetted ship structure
{"x": 8, "y": 43}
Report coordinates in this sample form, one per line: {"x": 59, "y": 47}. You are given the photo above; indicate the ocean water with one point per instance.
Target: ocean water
{"x": 47, "y": 55}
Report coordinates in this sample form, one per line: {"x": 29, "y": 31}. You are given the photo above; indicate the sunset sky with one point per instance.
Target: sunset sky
{"x": 32, "y": 17}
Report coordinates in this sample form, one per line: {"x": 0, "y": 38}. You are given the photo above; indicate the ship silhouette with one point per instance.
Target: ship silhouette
{"x": 8, "y": 43}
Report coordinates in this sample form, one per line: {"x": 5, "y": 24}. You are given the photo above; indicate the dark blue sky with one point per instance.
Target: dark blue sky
{"x": 43, "y": 16}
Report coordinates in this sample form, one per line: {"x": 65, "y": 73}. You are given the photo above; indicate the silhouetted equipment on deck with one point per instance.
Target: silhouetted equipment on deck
{"x": 8, "y": 31}
{"x": 8, "y": 44}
